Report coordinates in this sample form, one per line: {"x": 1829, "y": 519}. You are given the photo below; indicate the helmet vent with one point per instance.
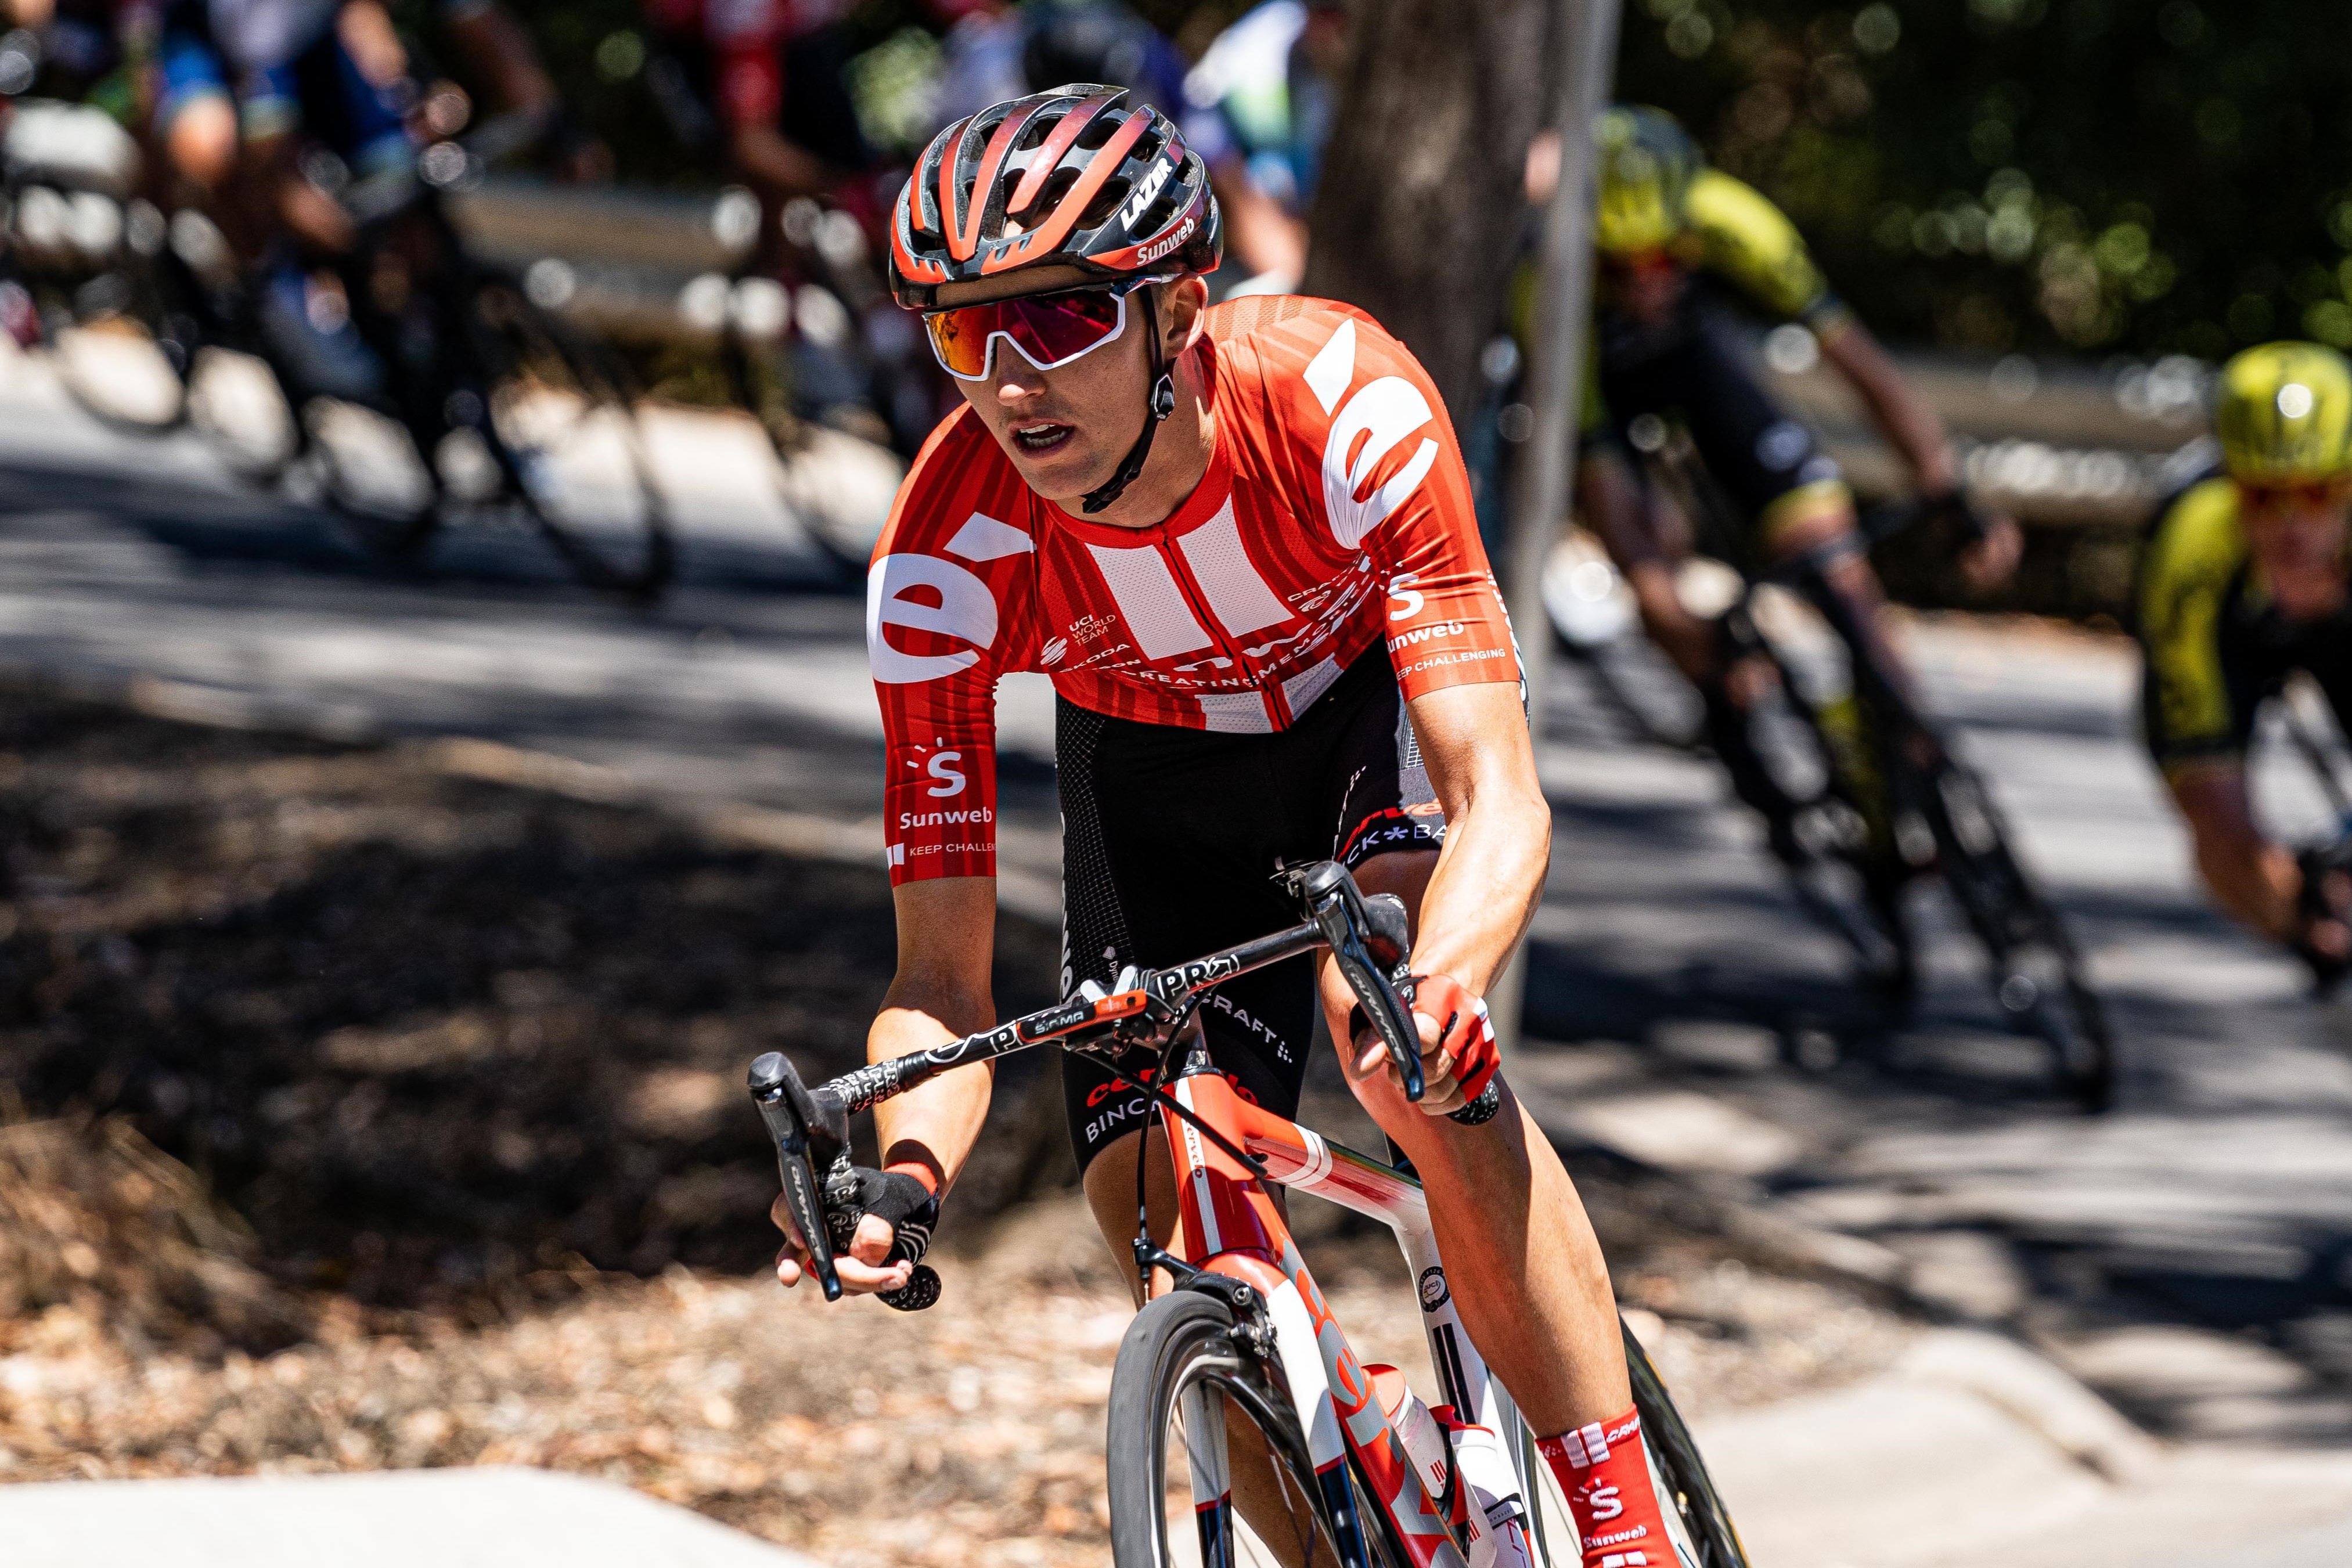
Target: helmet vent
{"x": 1098, "y": 129}
{"x": 1057, "y": 185}
{"x": 1107, "y": 200}
{"x": 1147, "y": 146}
{"x": 1163, "y": 207}
{"x": 1033, "y": 135}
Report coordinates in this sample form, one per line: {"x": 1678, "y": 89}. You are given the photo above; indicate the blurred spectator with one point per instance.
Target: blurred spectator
{"x": 1271, "y": 78}
{"x": 766, "y": 79}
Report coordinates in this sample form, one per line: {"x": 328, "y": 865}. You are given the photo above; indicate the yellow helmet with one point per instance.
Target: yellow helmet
{"x": 2284, "y": 413}
{"x": 1642, "y": 165}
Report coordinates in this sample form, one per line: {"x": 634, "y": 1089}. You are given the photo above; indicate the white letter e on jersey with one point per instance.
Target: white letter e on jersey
{"x": 967, "y": 609}
{"x": 1383, "y": 412}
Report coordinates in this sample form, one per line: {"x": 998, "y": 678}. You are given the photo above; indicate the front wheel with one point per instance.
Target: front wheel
{"x": 1686, "y": 1496}
{"x": 1207, "y": 1463}
{"x": 2037, "y": 975}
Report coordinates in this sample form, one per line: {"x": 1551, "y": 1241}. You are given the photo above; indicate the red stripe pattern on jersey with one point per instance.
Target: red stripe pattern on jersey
{"x": 1336, "y": 513}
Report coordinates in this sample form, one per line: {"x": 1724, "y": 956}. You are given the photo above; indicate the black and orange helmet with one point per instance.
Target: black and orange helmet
{"x": 1075, "y": 175}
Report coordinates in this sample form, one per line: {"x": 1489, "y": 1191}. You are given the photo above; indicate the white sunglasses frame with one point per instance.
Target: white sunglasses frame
{"x": 1118, "y": 291}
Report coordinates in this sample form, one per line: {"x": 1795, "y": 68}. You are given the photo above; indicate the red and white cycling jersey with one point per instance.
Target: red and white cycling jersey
{"x": 1335, "y": 511}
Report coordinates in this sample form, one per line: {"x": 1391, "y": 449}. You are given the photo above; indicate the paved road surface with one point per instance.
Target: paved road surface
{"x": 2191, "y": 1255}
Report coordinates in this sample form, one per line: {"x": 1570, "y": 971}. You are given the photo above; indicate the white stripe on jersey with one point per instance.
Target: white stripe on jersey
{"x": 1235, "y": 712}
{"x": 1301, "y": 689}
{"x": 1149, "y": 600}
{"x": 1238, "y": 594}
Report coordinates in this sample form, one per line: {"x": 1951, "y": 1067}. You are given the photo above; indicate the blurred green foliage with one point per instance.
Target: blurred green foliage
{"x": 2141, "y": 175}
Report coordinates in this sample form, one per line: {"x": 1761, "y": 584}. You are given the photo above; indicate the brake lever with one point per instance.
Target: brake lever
{"x": 1340, "y": 910}
{"x": 807, "y": 1128}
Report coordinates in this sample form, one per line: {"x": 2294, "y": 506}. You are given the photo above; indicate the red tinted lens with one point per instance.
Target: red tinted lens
{"x": 1049, "y": 328}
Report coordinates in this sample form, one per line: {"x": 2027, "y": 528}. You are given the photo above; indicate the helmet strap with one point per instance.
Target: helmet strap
{"x": 1156, "y": 407}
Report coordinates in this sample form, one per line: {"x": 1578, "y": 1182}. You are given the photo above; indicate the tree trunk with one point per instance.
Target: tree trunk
{"x": 1422, "y": 203}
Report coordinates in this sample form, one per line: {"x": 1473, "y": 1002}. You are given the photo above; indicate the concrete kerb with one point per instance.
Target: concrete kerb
{"x": 489, "y": 1517}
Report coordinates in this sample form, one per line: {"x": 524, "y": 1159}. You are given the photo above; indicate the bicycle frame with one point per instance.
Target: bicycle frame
{"x": 1227, "y": 1224}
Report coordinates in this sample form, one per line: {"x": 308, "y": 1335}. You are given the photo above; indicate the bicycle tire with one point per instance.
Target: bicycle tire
{"x": 1683, "y": 1484}
{"x": 1180, "y": 1357}
{"x": 554, "y": 397}
{"x": 2038, "y": 981}
{"x": 122, "y": 304}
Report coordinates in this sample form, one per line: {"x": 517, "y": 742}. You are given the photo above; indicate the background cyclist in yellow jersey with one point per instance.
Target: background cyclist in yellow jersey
{"x": 2243, "y": 583}
{"x": 1680, "y": 244}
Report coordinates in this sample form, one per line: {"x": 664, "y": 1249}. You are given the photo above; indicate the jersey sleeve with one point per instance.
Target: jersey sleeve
{"x": 1749, "y": 242}
{"x": 1393, "y": 476}
{"x": 948, "y": 610}
{"x": 2187, "y": 707}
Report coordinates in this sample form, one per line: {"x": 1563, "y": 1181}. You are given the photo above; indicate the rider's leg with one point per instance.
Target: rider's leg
{"x": 1820, "y": 520}
{"x": 1528, "y": 1278}
{"x": 1521, "y": 1255}
{"x": 1647, "y": 541}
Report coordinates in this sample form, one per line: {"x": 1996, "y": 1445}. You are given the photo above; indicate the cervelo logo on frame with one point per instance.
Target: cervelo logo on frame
{"x": 966, "y": 610}
{"x": 1382, "y": 413}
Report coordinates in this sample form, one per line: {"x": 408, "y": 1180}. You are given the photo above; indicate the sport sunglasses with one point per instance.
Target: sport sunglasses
{"x": 2308, "y": 493}
{"x": 1049, "y": 330}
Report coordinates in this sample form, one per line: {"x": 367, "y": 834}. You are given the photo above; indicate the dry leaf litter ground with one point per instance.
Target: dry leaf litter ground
{"x": 363, "y": 1116}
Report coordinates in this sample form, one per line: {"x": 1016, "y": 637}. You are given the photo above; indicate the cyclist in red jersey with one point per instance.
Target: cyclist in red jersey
{"x": 1241, "y": 542}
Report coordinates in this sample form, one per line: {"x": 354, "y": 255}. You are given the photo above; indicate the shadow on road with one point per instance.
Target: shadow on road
{"x": 434, "y": 1038}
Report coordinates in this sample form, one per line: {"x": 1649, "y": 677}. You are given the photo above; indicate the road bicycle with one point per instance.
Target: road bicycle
{"x": 473, "y": 404}
{"x": 1242, "y": 1426}
{"x": 1866, "y": 797}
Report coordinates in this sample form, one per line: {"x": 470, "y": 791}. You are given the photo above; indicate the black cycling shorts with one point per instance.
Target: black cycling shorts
{"x": 1171, "y": 837}
{"x": 1692, "y": 369}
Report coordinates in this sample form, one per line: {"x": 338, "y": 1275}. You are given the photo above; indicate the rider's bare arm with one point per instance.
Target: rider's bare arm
{"x": 947, "y": 943}
{"x": 779, "y": 167}
{"x": 2252, "y": 878}
{"x": 1901, "y": 414}
{"x": 1489, "y": 877}
{"x": 1916, "y": 431}
{"x": 1490, "y": 874}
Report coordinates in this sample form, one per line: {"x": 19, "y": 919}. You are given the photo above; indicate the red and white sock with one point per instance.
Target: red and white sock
{"x": 1606, "y": 1478}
